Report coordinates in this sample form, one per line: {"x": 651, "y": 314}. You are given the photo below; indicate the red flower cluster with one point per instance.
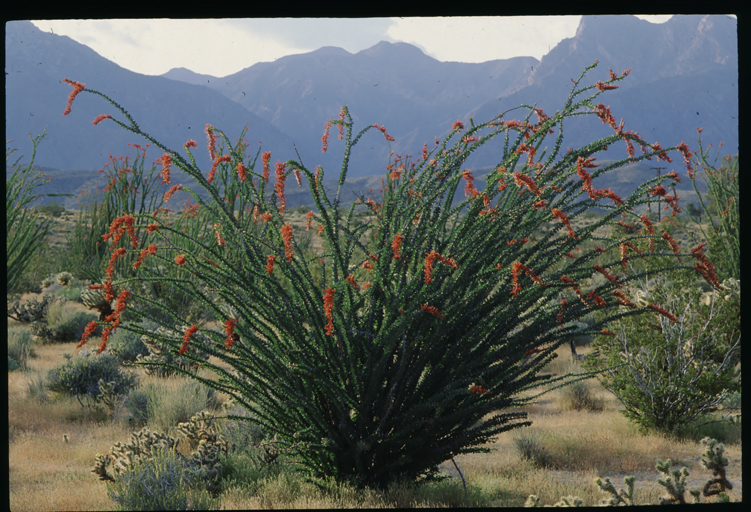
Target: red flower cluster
{"x": 432, "y": 310}
{"x": 229, "y": 328}
{"x": 119, "y": 226}
{"x": 211, "y": 138}
{"x": 396, "y": 244}
{"x": 623, "y": 300}
{"x": 215, "y": 163}
{"x": 517, "y": 267}
{"x": 180, "y": 260}
{"x": 664, "y": 312}
{"x": 166, "y": 160}
{"x": 279, "y": 187}
{"x": 90, "y": 328}
{"x": 457, "y": 125}
{"x": 270, "y": 259}
{"x": 218, "y": 233}
{"x": 266, "y": 169}
{"x": 168, "y": 195}
{"x": 469, "y": 189}
{"x": 190, "y": 144}
{"x": 607, "y": 275}
{"x": 705, "y": 267}
{"x": 242, "y": 172}
{"x": 186, "y": 338}
{"x": 328, "y": 309}
{"x": 325, "y": 137}
{"x": 150, "y": 250}
{"x": 479, "y": 390}
{"x": 77, "y": 87}
{"x": 382, "y": 129}
{"x": 100, "y": 118}
{"x": 564, "y": 218}
{"x": 522, "y": 179}
{"x": 287, "y": 236}
{"x": 430, "y": 258}
{"x": 351, "y": 279}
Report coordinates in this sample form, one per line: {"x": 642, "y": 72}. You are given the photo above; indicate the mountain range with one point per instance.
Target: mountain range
{"x": 684, "y": 75}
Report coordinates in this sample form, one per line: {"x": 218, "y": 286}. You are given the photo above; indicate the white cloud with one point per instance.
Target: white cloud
{"x": 221, "y": 47}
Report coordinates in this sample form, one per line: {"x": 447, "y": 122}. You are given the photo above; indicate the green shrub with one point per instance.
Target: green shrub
{"x": 70, "y": 293}
{"x": 36, "y": 386}
{"x": 578, "y": 396}
{"x": 126, "y": 345}
{"x": 19, "y": 347}
{"x": 160, "y": 483}
{"x": 52, "y": 210}
{"x": 136, "y": 407}
{"x": 79, "y": 376}
{"x": 675, "y": 372}
{"x": 13, "y": 364}
{"x": 167, "y": 406}
{"x": 64, "y": 324}
{"x": 530, "y": 447}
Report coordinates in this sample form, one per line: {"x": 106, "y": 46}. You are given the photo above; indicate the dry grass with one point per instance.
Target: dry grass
{"x": 48, "y": 473}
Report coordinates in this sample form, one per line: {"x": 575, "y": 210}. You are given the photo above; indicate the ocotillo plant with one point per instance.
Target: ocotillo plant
{"x": 399, "y": 358}
{"x": 26, "y": 229}
{"x": 722, "y": 189}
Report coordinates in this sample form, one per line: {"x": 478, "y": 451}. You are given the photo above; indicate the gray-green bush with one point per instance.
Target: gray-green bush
{"x": 20, "y": 346}
{"x": 79, "y": 376}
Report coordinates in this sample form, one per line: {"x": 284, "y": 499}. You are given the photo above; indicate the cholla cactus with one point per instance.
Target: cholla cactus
{"x": 47, "y": 282}
{"x": 715, "y": 462}
{"x": 64, "y": 278}
{"x": 31, "y": 311}
{"x": 731, "y": 288}
{"x": 619, "y": 497}
{"x": 203, "y": 463}
{"x": 96, "y": 299}
{"x": 674, "y": 483}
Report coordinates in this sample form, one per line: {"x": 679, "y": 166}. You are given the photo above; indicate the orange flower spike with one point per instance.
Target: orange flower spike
{"x": 211, "y": 138}
{"x": 180, "y": 260}
{"x": 605, "y": 332}
{"x": 100, "y": 118}
{"x": 624, "y": 255}
{"x": 328, "y": 309}
{"x": 270, "y": 259}
{"x": 242, "y": 172}
{"x": 77, "y": 87}
{"x": 219, "y": 237}
{"x": 325, "y": 138}
{"x": 429, "y": 259}
{"x": 607, "y": 275}
{"x": 673, "y": 244}
{"x": 457, "y": 125}
{"x": 604, "y": 87}
{"x": 266, "y": 216}
{"x": 153, "y": 227}
{"x": 351, "y": 280}
{"x": 90, "y": 328}
{"x": 166, "y": 160}
{"x": 229, "y": 328}
{"x": 396, "y": 244}
{"x": 479, "y": 390}
{"x": 279, "y": 187}
{"x": 129, "y": 220}
{"x": 522, "y": 179}
{"x": 287, "y": 236}
{"x": 266, "y": 169}
{"x": 186, "y": 338}
{"x": 563, "y": 218}
{"x": 432, "y": 310}
{"x": 190, "y": 144}
{"x": 308, "y": 220}
{"x": 469, "y": 189}
{"x": 168, "y": 195}
{"x": 664, "y": 312}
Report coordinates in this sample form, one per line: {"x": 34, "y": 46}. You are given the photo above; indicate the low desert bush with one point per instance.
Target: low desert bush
{"x": 36, "y": 387}
{"x": 160, "y": 483}
{"x": 63, "y": 323}
{"x": 19, "y": 347}
{"x": 79, "y": 376}
{"x": 530, "y": 447}
{"x": 579, "y": 397}
{"x": 175, "y": 401}
{"x": 126, "y": 345}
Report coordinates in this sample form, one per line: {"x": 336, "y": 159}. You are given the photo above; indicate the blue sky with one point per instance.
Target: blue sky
{"x": 221, "y": 47}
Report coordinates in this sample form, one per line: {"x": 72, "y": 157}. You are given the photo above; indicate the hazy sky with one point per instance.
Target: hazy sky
{"x": 221, "y": 47}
